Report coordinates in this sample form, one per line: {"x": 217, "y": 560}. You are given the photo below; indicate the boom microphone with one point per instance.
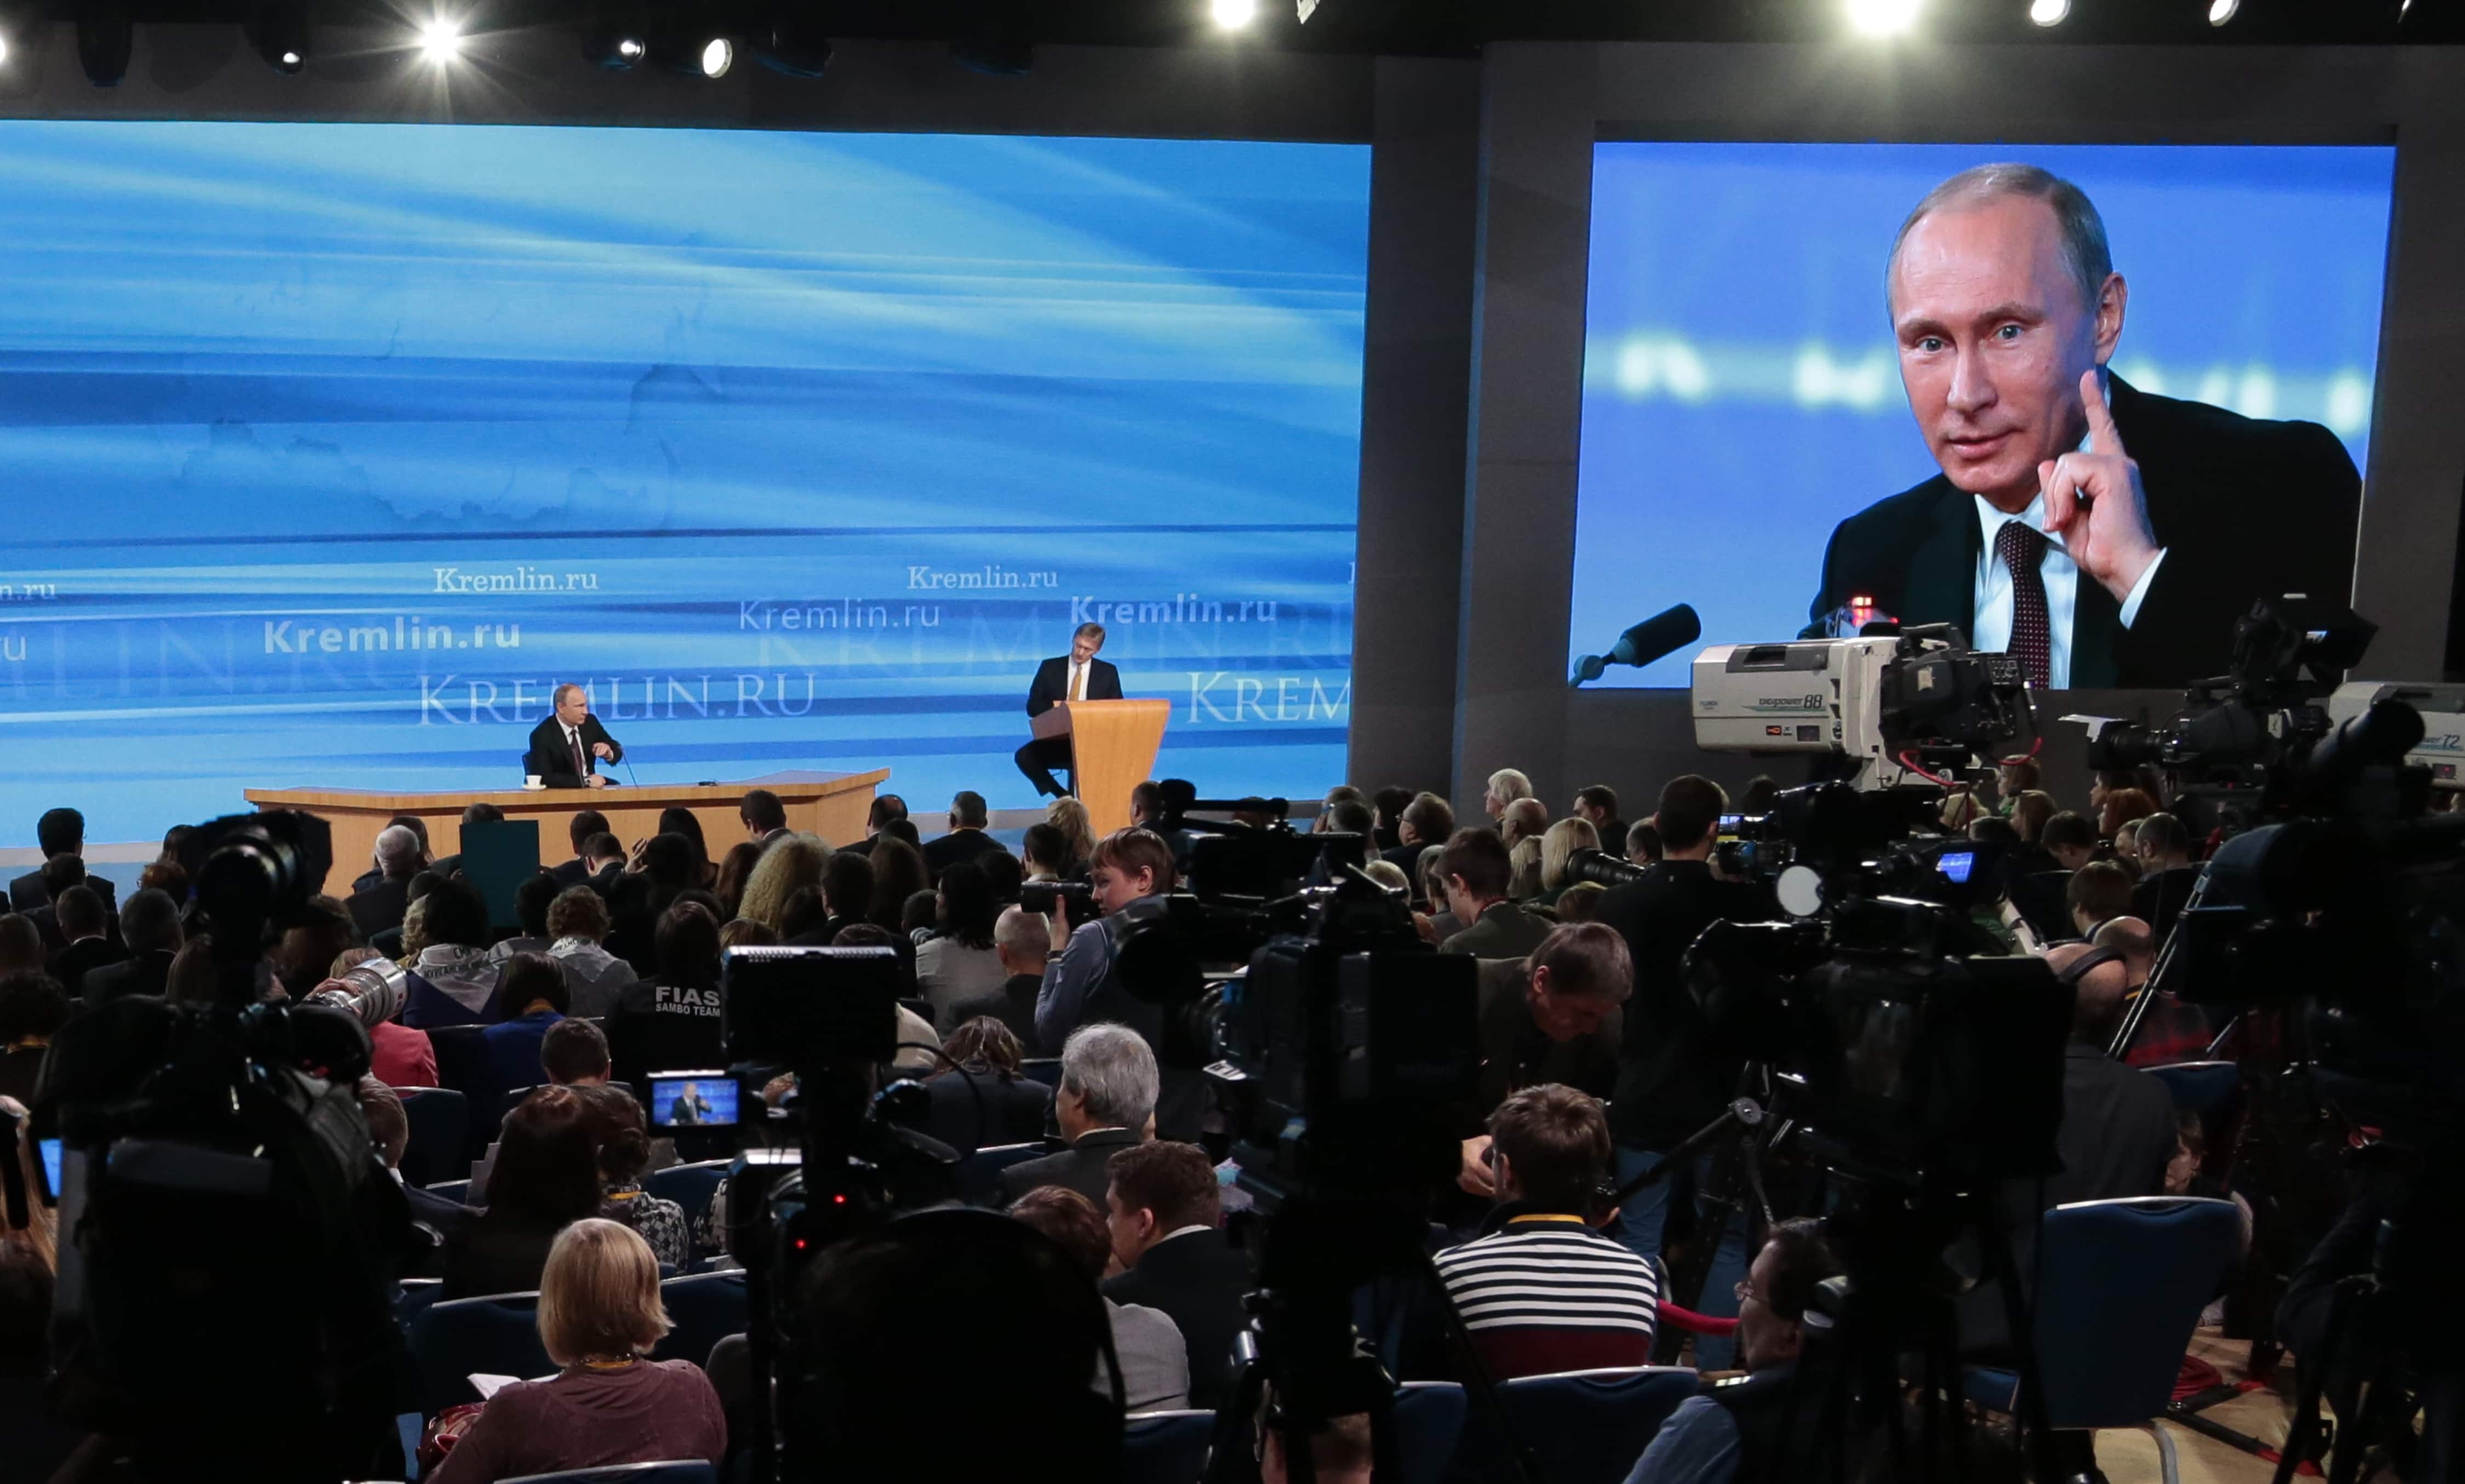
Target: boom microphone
{"x": 1656, "y": 637}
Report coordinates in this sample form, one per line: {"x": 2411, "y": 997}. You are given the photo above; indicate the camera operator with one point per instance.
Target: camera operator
{"x": 1670, "y": 1082}
{"x": 1550, "y": 1018}
{"x": 2168, "y": 871}
{"x": 1478, "y": 871}
{"x": 1130, "y": 872}
{"x": 1735, "y": 1429}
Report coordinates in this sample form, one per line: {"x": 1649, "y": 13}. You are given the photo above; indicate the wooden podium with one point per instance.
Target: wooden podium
{"x": 1113, "y": 746}
{"x": 830, "y": 805}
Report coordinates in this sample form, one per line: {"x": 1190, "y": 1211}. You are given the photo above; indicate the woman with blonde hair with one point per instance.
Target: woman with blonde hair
{"x": 599, "y": 1315}
{"x": 1523, "y": 883}
{"x": 1559, "y": 844}
{"x": 1071, "y": 818}
{"x": 789, "y": 862}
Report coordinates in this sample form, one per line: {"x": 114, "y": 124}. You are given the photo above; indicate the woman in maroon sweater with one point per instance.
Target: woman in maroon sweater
{"x": 599, "y": 1315}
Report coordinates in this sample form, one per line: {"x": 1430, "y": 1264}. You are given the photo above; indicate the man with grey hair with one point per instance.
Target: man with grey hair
{"x": 2102, "y": 535}
{"x": 381, "y": 905}
{"x": 568, "y": 747}
{"x": 1106, "y": 1102}
{"x": 1023, "y": 941}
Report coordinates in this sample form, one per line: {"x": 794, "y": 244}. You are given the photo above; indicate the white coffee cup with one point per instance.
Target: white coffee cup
{"x": 533, "y": 781}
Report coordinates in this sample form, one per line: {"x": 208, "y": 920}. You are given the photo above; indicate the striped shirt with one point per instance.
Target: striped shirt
{"x": 1550, "y": 1294}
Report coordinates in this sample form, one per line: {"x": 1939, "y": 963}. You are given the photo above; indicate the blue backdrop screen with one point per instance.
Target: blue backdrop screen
{"x": 333, "y": 448}
{"x": 1741, "y": 392}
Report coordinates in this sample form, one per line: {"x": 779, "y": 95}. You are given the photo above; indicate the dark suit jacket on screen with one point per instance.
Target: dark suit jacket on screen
{"x": 1053, "y": 683}
{"x": 550, "y": 758}
{"x": 2245, "y": 509}
{"x": 1080, "y": 1167}
{"x": 1198, "y": 1279}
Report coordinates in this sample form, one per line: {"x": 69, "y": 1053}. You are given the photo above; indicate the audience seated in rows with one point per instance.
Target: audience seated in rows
{"x": 1479, "y": 876}
{"x": 445, "y": 942}
{"x": 60, "y": 875}
{"x": 380, "y": 904}
{"x": 967, "y": 839}
{"x": 574, "y": 1053}
{"x": 624, "y": 1152}
{"x": 577, "y": 930}
{"x": 599, "y": 1316}
{"x": 535, "y": 997}
{"x": 1163, "y": 1212}
{"x": 764, "y": 816}
{"x": 1543, "y": 1291}
{"x": 674, "y": 1018}
{"x": 586, "y": 825}
{"x": 1425, "y": 823}
{"x": 544, "y": 1178}
{"x": 1105, "y": 1103}
{"x": 1023, "y": 941}
{"x": 983, "y": 1100}
{"x": 85, "y": 943}
{"x": 790, "y": 864}
{"x": 1155, "y": 1363}
{"x": 897, "y": 874}
{"x": 887, "y": 808}
{"x": 735, "y": 870}
{"x": 531, "y": 900}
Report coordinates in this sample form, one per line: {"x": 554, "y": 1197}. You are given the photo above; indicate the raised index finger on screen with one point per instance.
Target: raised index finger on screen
{"x": 2103, "y": 438}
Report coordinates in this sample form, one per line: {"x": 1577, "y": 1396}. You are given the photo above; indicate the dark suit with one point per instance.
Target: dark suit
{"x": 959, "y": 845}
{"x": 572, "y": 872}
{"x": 1080, "y": 1166}
{"x": 2159, "y": 898}
{"x": 381, "y": 907}
{"x": 1198, "y": 1279}
{"x": 1670, "y": 1081}
{"x": 1014, "y": 1007}
{"x": 144, "y": 974}
{"x": 28, "y": 892}
{"x": 1040, "y": 757}
{"x": 72, "y": 963}
{"x": 553, "y": 761}
{"x": 977, "y": 1108}
{"x": 1503, "y": 931}
{"x": 2245, "y": 509}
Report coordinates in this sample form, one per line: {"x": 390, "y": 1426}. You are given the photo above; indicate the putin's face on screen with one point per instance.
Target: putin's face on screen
{"x": 1993, "y": 338}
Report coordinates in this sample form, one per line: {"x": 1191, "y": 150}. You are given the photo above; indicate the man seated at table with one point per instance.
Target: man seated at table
{"x": 568, "y": 747}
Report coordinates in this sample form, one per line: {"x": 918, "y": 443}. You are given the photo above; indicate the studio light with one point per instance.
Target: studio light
{"x": 105, "y": 33}
{"x": 683, "y": 42}
{"x": 1882, "y": 17}
{"x": 1234, "y": 14}
{"x": 2221, "y": 12}
{"x": 2048, "y": 12}
{"x": 790, "y": 41}
{"x": 278, "y": 30}
{"x": 618, "y": 37}
{"x": 440, "y": 40}
{"x": 718, "y": 55}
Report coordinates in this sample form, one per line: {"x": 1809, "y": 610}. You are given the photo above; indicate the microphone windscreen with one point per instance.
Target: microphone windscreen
{"x": 1663, "y": 634}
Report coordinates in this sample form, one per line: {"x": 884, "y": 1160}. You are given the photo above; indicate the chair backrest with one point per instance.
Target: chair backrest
{"x": 1046, "y": 1070}
{"x": 2199, "y": 1086}
{"x": 497, "y": 1335}
{"x": 1427, "y": 1419}
{"x": 2120, "y": 1287}
{"x": 1582, "y": 1427}
{"x": 686, "y": 1471}
{"x": 462, "y": 1064}
{"x": 438, "y": 1117}
{"x": 1165, "y": 1448}
{"x": 689, "y": 1185}
{"x": 706, "y": 1308}
{"x": 978, "y": 1176}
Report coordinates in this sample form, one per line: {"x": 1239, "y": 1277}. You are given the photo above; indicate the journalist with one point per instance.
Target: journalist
{"x": 1671, "y": 1081}
{"x": 1130, "y": 871}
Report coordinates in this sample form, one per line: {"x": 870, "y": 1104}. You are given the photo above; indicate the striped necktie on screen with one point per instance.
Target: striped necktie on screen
{"x": 2022, "y": 548}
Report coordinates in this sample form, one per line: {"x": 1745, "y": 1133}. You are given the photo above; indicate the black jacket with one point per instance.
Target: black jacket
{"x": 1669, "y": 1082}
{"x": 1198, "y": 1279}
{"x": 553, "y": 762}
{"x": 1053, "y": 683}
{"x": 144, "y": 974}
{"x": 1080, "y": 1166}
{"x": 975, "y": 1108}
{"x": 1515, "y": 1052}
{"x": 2161, "y": 896}
{"x": 1014, "y": 1007}
{"x": 28, "y": 892}
{"x": 70, "y": 965}
{"x": 2245, "y": 509}
{"x": 944, "y": 852}
{"x": 381, "y": 907}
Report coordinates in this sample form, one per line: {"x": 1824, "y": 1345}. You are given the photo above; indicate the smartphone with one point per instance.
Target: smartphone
{"x": 693, "y": 1100}
{"x": 50, "y": 1164}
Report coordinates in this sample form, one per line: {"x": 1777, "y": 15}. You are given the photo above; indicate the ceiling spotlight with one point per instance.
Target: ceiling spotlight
{"x": 105, "y": 33}
{"x": 2221, "y": 12}
{"x": 617, "y": 39}
{"x": 440, "y": 40}
{"x": 279, "y": 29}
{"x": 1234, "y": 14}
{"x": 2048, "y": 12}
{"x": 718, "y": 55}
{"x": 790, "y": 41}
{"x": 1882, "y": 17}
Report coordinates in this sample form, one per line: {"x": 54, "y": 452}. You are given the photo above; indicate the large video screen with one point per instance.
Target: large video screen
{"x": 333, "y": 449}
{"x": 1766, "y": 439}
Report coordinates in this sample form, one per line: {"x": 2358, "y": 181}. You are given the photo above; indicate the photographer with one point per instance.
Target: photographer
{"x": 1129, "y": 874}
{"x": 1670, "y": 1082}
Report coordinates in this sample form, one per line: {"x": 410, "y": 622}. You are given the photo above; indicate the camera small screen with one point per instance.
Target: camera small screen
{"x": 50, "y": 1148}
{"x": 693, "y": 1100}
{"x": 1729, "y": 824}
{"x": 1954, "y": 865}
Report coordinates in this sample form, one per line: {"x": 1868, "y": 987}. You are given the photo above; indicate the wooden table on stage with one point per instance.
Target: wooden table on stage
{"x": 1114, "y": 745}
{"x": 830, "y": 805}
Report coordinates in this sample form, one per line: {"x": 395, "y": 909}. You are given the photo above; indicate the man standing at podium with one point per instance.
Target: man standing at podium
{"x": 567, "y": 748}
{"x": 1078, "y": 675}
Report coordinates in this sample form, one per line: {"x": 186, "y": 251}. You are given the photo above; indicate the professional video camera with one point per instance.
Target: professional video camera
{"x": 1255, "y": 854}
{"x": 1902, "y": 708}
{"x": 829, "y": 1017}
{"x": 229, "y": 1311}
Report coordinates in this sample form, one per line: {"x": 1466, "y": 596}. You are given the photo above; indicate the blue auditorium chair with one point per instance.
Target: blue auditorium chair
{"x": 1165, "y": 1448}
{"x": 1582, "y": 1427}
{"x": 706, "y": 1308}
{"x": 689, "y": 1185}
{"x": 1426, "y": 1421}
{"x": 495, "y": 1335}
{"x": 2201, "y": 1087}
{"x": 978, "y": 1176}
{"x": 439, "y": 1119}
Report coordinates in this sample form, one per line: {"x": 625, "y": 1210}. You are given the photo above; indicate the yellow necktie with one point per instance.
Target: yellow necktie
{"x": 1077, "y": 682}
